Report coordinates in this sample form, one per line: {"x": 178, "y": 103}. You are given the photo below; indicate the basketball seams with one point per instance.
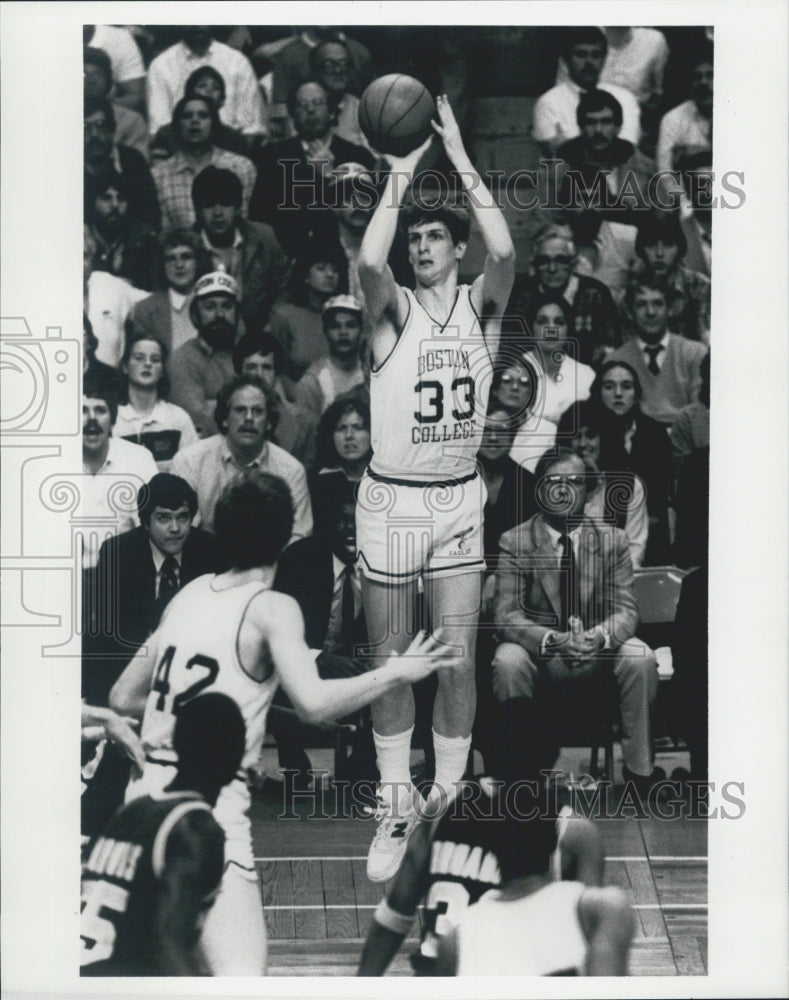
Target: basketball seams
{"x": 408, "y": 110}
{"x": 397, "y": 124}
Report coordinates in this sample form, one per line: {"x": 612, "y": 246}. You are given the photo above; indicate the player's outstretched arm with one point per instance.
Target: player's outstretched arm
{"x": 130, "y": 692}
{"x": 381, "y": 292}
{"x": 98, "y": 723}
{"x": 491, "y": 291}
{"x": 608, "y": 922}
{"x": 317, "y": 700}
{"x": 395, "y": 915}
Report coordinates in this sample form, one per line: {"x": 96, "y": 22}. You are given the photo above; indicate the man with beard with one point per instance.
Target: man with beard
{"x": 125, "y": 246}
{"x": 201, "y": 366}
{"x": 249, "y": 251}
{"x": 246, "y": 416}
{"x": 330, "y": 377}
{"x": 102, "y": 154}
{"x": 289, "y": 193}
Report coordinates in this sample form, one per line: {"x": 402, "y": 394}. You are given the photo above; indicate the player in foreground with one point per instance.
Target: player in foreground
{"x": 231, "y": 633}
{"x": 419, "y": 510}
{"x": 152, "y": 874}
{"x": 489, "y": 866}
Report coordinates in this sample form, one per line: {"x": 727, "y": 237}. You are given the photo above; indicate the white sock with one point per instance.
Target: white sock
{"x": 393, "y": 755}
{"x": 451, "y": 759}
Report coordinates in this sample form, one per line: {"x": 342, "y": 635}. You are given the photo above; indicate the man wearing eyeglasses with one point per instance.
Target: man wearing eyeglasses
{"x": 292, "y": 174}
{"x": 565, "y": 612}
{"x": 595, "y": 317}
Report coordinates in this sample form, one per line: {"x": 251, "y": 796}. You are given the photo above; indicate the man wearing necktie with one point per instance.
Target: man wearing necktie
{"x": 565, "y": 611}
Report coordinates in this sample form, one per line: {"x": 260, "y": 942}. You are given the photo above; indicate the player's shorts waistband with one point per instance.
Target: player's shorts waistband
{"x": 421, "y": 483}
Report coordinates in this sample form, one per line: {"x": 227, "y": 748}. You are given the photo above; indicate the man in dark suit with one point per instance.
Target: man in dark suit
{"x": 565, "y": 611}
{"x": 319, "y": 572}
{"x": 292, "y": 174}
{"x": 139, "y": 572}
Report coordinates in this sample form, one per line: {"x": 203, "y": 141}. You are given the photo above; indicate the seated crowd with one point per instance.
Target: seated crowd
{"x": 224, "y": 331}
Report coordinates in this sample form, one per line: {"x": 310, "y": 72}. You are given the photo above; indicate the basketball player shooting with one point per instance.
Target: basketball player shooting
{"x": 419, "y": 510}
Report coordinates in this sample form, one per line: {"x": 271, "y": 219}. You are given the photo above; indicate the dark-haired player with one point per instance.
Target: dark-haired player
{"x": 419, "y": 510}
{"x": 492, "y": 841}
{"x": 152, "y": 874}
{"x": 233, "y": 634}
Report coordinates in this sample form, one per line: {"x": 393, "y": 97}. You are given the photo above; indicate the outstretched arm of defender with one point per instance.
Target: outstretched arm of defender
{"x": 375, "y": 276}
{"x": 491, "y": 291}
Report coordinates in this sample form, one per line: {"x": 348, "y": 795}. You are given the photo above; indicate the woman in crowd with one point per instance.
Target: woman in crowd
{"x": 616, "y": 498}
{"x": 319, "y": 273}
{"x": 343, "y": 448}
{"x": 630, "y": 441}
{"x": 515, "y": 388}
{"x": 206, "y": 82}
{"x": 145, "y": 416}
{"x": 165, "y": 314}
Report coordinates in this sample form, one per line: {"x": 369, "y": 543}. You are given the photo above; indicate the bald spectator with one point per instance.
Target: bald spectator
{"x": 261, "y": 356}
{"x": 249, "y": 251}
{"x": 166, "y": 314}
{"x": 246, "y": 415}
{"x": 661, "y": 247}
{"x": 106, "y": 459}
{"x": 130, "y": 127}
{"x": 242, "y": 108}
{"x": 195, "y": 125}
{"x": 201, "y": 366}
{"x": 668, "y": 366}
{"x": 293, "y": 174}
{"x": 100, "y": 154}
{"x": 128, "y": 71}
{"x": 108, "y": 302}
{"x": 687, "y": 128}
{"x": 125, "y": 246}
{"x": 595, "y": 321}
{"x": 554, "y": 115}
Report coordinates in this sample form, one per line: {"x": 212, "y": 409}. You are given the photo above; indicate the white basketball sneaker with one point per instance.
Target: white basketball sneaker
{"x": 395, "y": 826}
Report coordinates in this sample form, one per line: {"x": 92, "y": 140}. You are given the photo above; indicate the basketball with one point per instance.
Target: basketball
{"x": 395, "y": 113}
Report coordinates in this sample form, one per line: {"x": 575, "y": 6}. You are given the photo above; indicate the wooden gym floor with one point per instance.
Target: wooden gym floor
{"x": 318, "y": 902}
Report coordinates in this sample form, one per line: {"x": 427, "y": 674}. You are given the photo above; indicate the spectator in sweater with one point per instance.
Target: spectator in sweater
{"x": 144, "y": 414}
{"x": 101, "y": 154}
{"x": 595, "y": 321}
{"x": 554, "y": 115}
{"x": 195, "y": 125}
{"x": 165, "y": 315}
{"x": 242, "y": 108}
{"x": 125, "y": 246}
{"x": 207, "y": 82}
{"x": 130, "y": 127}
{"x": 341, "y": 370}
{"x": 661, "y": 247}
{"x": 667, "y": 365}
{"x": 246, "y": 415}
{"x": 249, "y": 251}
{"x": 201, "y": 366}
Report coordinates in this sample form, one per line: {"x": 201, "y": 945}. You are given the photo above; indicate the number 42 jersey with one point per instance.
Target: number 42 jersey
{"x": 197, "y": 649}
{"x": 429, "y": 398}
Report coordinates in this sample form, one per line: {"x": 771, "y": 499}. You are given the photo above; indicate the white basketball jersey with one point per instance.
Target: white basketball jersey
{"x": 430, "y": 396}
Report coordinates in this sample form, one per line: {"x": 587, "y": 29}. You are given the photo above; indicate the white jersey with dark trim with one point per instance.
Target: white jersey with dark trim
{"x": 198, "y": 652}
{"x": 429, "y": 397}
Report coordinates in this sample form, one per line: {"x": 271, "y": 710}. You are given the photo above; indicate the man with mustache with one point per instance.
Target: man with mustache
{"x": 246, "y": 417}
{"x": 330, "y": 377}
{"x": 201, "y": 366}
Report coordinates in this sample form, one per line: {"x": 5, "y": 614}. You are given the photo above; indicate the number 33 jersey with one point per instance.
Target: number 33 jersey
{"x": 197, "y": 650}
{"x": 429, "y": 398}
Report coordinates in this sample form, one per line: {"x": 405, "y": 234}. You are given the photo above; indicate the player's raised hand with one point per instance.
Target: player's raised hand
{"x": 425, "y": 654}
{"x": 407, "y": 164}
{"x": 448, "y": 128}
